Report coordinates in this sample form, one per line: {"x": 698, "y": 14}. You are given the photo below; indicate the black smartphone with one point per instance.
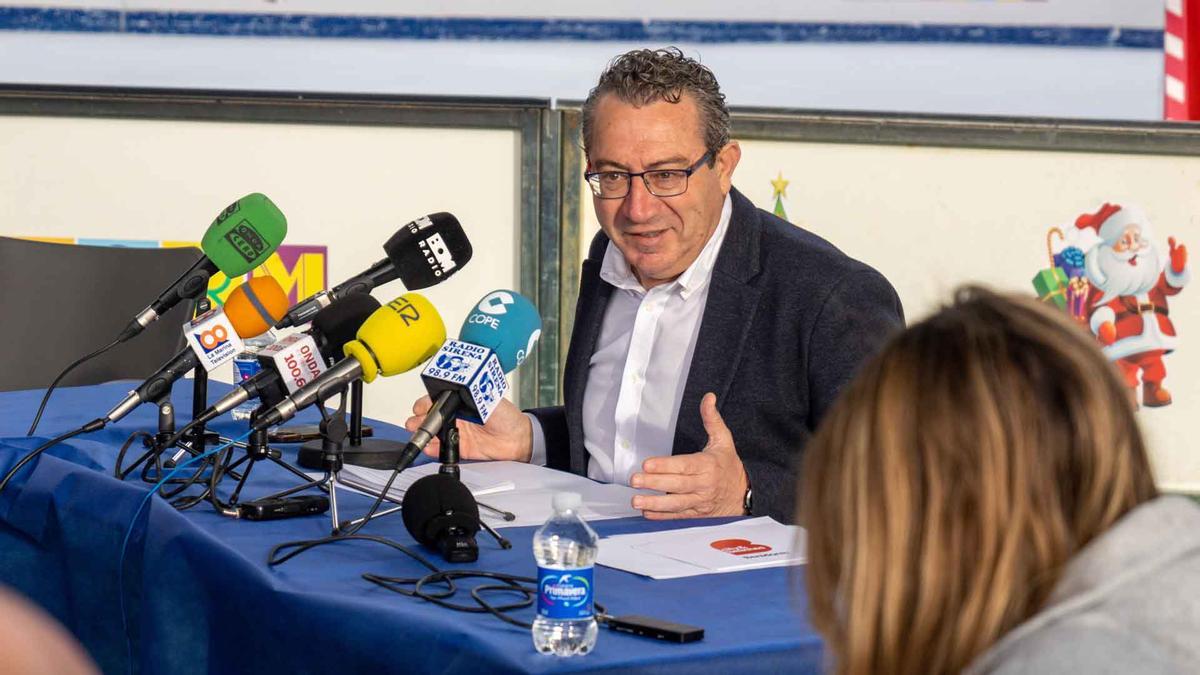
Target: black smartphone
{"x": 659, "y": 629}
{"x": 302, "y": 433}
{"x": 284, "y": 507}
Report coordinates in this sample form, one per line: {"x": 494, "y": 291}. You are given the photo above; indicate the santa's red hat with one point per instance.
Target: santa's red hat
{"x": 1112, "y": 219}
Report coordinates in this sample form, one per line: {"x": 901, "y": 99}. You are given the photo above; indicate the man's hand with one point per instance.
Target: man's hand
{"x": 508, "y": 433}
{"x": 1178, "y": 256}
{"x": 711, "y": 482}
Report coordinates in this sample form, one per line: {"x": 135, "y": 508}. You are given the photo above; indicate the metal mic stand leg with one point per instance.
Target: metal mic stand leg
{"x": 166, "y": 429}
{"x": 448, "y": 456}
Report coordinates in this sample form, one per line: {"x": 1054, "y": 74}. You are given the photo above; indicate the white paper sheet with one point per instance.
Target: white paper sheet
{"x": 521, "y": 489}
{"x": 742, "y": 545}
{"x": 373, "y": 480}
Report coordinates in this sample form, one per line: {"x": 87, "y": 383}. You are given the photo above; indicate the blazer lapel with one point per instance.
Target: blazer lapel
{"x": 593, "y": 300}
{"x": 728, "y": 314}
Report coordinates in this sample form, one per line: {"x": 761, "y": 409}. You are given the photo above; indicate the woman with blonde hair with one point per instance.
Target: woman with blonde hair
{"x": 980, "y": 499}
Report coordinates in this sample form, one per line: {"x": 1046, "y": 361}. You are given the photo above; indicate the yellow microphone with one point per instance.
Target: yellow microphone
{"x": 396, "y": 338}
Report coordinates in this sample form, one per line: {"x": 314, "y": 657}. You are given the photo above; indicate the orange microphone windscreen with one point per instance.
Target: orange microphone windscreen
{"x": 255, "y": 306}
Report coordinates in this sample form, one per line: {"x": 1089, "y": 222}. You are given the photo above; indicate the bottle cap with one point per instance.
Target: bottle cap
{"x": 567, "y": 501}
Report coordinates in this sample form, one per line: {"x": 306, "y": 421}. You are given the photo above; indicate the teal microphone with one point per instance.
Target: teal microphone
{"x": 241, "y": 238}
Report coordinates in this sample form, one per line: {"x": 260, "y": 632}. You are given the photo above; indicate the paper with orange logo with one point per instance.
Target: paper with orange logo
{"x": 748, "y": 544}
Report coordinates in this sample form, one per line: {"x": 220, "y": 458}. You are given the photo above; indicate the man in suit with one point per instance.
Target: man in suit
{"x": 710, "y": 336}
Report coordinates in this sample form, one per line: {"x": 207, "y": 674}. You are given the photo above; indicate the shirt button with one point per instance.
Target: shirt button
{"x": 625, "y": 445}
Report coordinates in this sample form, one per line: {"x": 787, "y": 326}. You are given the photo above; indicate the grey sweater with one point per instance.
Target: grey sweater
{"x": 1129, "y": 602}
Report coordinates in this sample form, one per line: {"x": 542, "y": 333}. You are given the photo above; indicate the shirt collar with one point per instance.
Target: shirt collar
{"x": 615, "y": 270}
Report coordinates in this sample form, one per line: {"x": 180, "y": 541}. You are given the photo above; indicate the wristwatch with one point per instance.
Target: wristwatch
{"x": 748, "y": 501}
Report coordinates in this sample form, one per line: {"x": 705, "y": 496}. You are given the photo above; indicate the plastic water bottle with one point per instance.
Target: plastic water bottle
{"x": 246, "y": 366}
{"x": 565, "y": 549}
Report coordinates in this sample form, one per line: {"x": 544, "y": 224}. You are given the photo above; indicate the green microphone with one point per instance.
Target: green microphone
{"x": 241, "y": 238}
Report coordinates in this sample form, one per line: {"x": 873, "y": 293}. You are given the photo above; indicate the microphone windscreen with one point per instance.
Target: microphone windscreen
{"x": 428, "y": 250}
{"x": 244, "y": 235}
{"x": 434, "y": 504}
{"x": 338, "y": 323}
{"x": 505, "y": 322}
{"x": 255, "y": 306}
{"x": 397, "y": 337}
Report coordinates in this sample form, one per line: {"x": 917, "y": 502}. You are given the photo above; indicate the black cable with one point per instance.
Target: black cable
{"x": 94, "y": 425}
{"x": 117, "y": 470}
{"x": 511, "y": 583}
{"x": 46, "y": 397}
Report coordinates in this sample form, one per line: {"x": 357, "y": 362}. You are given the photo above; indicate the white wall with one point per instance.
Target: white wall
{"x": 342, "y": 186}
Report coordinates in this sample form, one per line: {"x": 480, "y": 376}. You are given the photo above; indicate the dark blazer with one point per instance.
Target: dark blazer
{"x": 789, "y": 318}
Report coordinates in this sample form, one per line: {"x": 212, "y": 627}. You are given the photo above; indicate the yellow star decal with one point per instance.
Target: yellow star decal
{"x": 780, "y": 186}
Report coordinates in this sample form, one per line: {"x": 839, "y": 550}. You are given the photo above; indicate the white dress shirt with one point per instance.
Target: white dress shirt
{"x": 640, "y": 366}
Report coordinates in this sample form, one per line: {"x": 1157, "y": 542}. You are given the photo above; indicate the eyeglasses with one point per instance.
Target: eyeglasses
{"x": 659, "y": 182}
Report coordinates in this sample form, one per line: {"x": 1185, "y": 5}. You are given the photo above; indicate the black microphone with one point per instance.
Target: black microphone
{"x": 440, "y": 512}
{"x": 331, "y": 329}
{"x": 421, "y": 254}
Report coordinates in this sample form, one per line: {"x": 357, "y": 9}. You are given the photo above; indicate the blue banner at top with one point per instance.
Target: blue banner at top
{"x": 657, "y": 31}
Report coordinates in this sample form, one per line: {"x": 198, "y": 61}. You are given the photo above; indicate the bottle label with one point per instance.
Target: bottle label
{"x": 246, "y": 368}
{"x": 565, "y": 594}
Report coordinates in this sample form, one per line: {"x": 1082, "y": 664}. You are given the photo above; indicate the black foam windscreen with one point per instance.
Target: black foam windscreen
{"x": 428, "y": 250}
{"x": 338, "y": 323}
{"x": 436, "y": 503}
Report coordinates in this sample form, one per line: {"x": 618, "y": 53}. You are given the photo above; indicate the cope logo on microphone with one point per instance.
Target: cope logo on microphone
{"x": 213, "y": 338}
{"x": 496, "y": 303}
{"x": 523, "y": 353}
{"x": 246, "y": 240}
{"x": 437, "y": 254}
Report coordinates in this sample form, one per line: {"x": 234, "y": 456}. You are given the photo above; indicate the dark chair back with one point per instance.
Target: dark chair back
{"x": 59, "y": 302}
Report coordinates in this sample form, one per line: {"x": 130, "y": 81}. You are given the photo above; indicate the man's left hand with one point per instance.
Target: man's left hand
{"x": 711, "y": 482}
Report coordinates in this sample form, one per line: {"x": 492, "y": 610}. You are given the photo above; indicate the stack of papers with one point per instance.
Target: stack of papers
{"x": 373, "y": 480}
{"x": 743, "y": 545}
{"x": 520, "y": 489}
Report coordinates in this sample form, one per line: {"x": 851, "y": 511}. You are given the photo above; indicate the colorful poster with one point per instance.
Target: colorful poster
{"x": 301, "y": 270}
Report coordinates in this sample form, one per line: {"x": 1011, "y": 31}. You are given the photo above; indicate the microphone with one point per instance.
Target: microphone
{"x": 293, "y": 364}
{"x": 421, "y": 254}
{"x": 395, "y": 338}
{"x": 241, "y": 238}
{"x": 466, "y": 376}
{"x": 213, "y": 338}
{"x": 440, "y": 512}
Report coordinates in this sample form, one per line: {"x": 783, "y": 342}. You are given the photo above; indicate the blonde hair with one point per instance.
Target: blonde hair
{"x": 956, "y": 476}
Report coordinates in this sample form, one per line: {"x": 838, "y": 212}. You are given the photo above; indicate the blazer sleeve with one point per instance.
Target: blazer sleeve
{"x": 558, "y": 443}
{"x": 860, "y": 313}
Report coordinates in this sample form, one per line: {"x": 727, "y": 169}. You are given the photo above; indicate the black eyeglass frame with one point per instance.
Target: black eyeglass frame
{"x": 687, "y": 174}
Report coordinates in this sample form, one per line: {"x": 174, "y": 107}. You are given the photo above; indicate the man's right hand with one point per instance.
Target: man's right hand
{"x": 508, "y": 433}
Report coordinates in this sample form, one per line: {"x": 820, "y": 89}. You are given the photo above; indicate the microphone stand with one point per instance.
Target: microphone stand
{"x": 373, "y": 453}
{"x": 257, "y": 449}
{"x": 448, "y": 456}
{"x": 334, "y": 433}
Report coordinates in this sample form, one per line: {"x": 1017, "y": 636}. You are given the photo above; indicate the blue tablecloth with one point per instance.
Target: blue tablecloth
{"x": 199, "y": 596}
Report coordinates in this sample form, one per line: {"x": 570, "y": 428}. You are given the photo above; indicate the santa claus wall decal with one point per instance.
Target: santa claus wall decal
{"x": 1127, "y": 308}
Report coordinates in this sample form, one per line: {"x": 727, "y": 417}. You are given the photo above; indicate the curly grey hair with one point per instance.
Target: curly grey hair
{"x": 644, "y": 76}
